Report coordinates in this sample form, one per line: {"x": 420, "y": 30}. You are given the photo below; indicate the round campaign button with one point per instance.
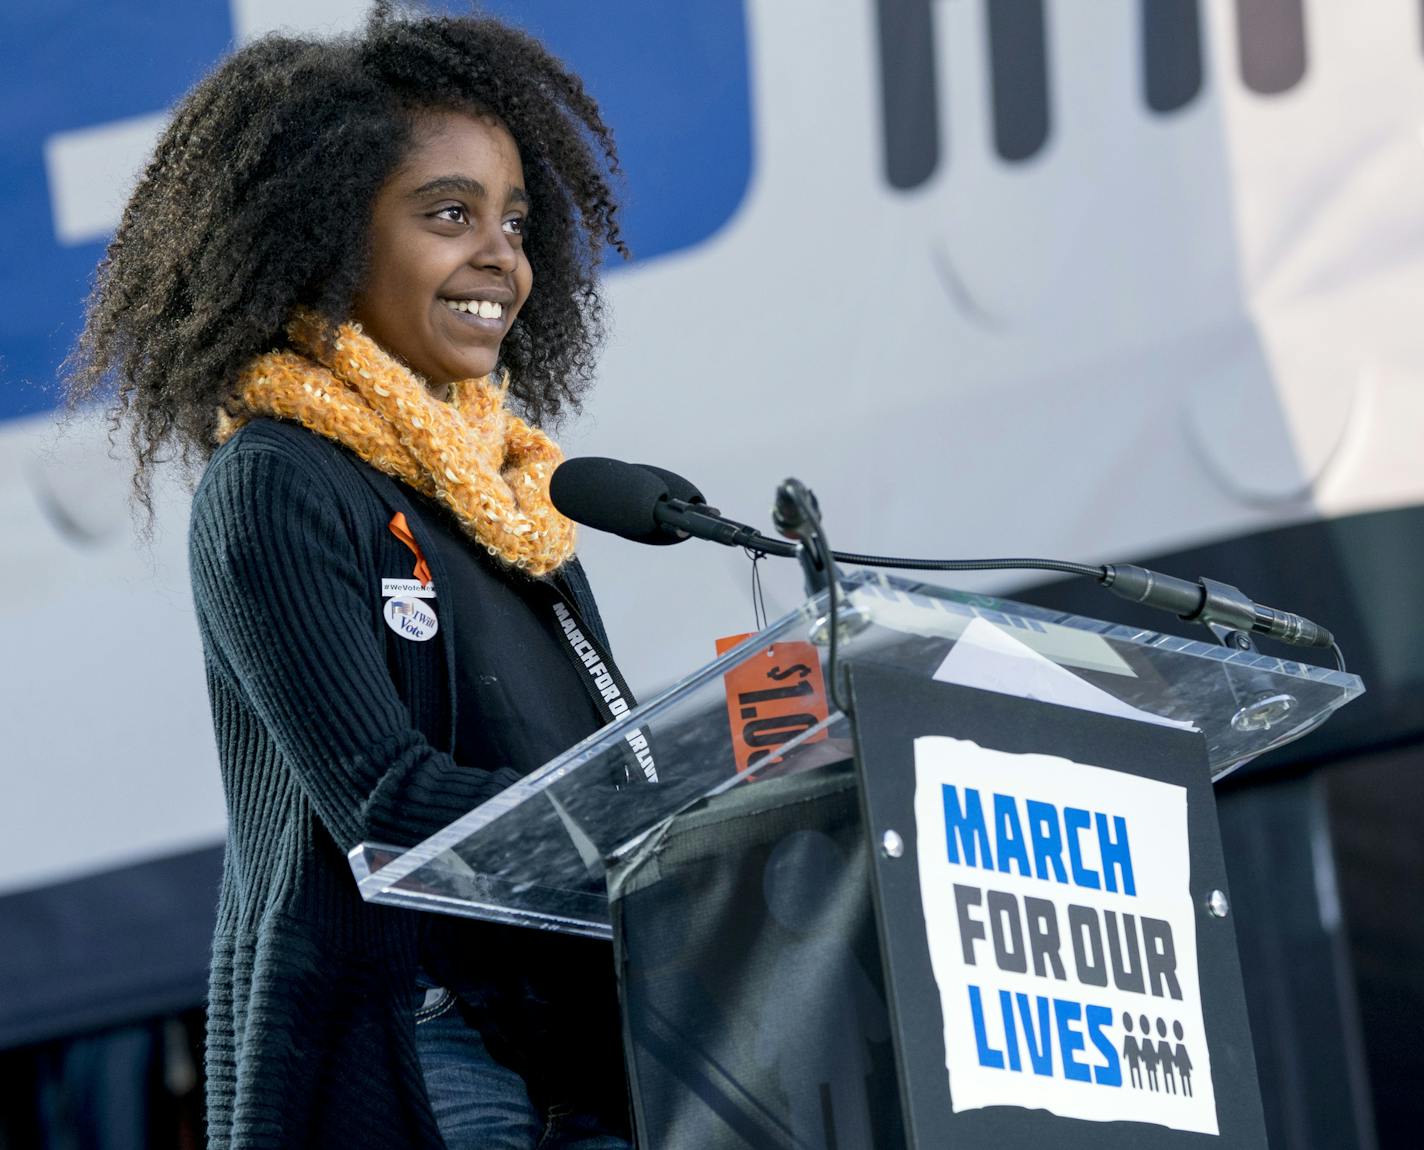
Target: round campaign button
{"x": 411, "y": 618}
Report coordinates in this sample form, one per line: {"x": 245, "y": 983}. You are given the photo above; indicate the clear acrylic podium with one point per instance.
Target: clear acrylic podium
{"x": 535, "y": 855}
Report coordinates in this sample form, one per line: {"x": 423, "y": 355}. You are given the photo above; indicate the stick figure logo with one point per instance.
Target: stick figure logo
{"x": 1160, "y": 1064}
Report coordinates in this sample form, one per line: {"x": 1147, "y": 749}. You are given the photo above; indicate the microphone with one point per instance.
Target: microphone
{"x": 1208, "y": 601}
{"x": 797, "y": 515}
{"x": 678, "y": 487}
{"x": 647, "y": 505}
{"x": 609, "y": 495}
{"x": 795, "y": 511}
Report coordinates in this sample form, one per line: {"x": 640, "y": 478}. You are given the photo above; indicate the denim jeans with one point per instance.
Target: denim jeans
{"x": 481, "y": 1104}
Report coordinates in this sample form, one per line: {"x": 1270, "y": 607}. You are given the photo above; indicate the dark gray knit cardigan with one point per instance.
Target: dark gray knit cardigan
{"x": 330, "y": 731}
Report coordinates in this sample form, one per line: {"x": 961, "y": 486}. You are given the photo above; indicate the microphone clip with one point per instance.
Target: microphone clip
{"x": 796, "y": 515}
{"x": 700, "y": 521}
{"x": 1228, "y": 614}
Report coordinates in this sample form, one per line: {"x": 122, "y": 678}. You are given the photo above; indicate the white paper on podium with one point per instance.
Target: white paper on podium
{"x": 993, "y": 660}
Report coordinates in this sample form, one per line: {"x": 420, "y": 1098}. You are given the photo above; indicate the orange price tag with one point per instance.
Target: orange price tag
{"x": 772, "y": 698}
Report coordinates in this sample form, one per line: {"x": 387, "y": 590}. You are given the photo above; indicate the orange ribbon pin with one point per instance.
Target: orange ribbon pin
{"x": 401, "y": 530}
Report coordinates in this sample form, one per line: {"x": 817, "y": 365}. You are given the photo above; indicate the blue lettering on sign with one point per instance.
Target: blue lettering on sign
{"x": 1011, "y": 1038}
{"x": 1117, "y": 858}
{"x": 1047, "y": 840}
{"x": 1070, "y": 1038}
{"x": 964, "y": 827}
{"x": 672, "y": 79}
{"x": 1054, "y": 1033}
{"x": 1110, "y": 1072}
{"x": 1036, "y": 1034}
{"x": 973, "y": 840}
{"x": 1009, "y": 836}
{"x": 1075, "y": 821}
{"x": 988, "y": 1056}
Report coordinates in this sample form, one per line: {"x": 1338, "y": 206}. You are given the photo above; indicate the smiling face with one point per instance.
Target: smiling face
{"x": 447, "y": 271}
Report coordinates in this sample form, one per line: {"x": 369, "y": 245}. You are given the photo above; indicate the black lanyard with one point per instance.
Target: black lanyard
{"x": 606, "y": 686}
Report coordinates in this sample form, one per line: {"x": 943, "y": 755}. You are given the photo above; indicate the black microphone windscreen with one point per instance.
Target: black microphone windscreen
{"x": 678, "y": 487}
{"x": 610, "y": 495}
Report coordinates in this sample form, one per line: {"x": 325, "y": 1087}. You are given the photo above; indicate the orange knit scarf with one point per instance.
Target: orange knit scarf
{"x": 480, "y": 460}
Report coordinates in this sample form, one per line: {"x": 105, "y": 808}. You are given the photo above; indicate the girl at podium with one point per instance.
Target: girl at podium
{"x": 357, "y": 278}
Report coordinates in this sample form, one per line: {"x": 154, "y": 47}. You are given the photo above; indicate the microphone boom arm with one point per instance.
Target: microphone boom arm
{"x": 703, "y": 522}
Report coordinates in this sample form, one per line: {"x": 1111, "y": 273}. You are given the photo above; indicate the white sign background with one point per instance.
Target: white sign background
{"x": 1156, "y": 816}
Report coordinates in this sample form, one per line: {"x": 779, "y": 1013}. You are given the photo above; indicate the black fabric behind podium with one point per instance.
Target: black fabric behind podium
{"x": 754, "y": 1006}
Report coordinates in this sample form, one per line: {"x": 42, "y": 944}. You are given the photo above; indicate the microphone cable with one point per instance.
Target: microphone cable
{"x": 1100, "y": 572}
{"x": 855, "y": 559}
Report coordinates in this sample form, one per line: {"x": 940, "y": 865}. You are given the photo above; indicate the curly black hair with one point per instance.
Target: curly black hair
{"x": 230, "y": 227}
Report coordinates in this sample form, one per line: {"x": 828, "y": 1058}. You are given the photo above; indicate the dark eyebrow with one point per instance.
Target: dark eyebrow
{"x": 466, "y": 186}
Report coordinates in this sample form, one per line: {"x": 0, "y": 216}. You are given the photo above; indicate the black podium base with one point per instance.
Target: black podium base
{"x": 754, "y": 1005}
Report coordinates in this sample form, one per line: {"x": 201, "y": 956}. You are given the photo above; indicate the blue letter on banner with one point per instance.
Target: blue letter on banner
{"x": 965, "y": 826}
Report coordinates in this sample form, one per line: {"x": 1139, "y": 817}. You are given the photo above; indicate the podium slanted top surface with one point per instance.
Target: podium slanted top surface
{"x": 534, "y": 855}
